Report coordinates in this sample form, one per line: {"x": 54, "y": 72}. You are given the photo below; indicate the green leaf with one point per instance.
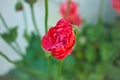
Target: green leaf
{"x": 76, "y": 30}
{"x": 90, "y": 54}
{"x": 69, "y": 62}
{"x": 105, "y": 51}
{"x": 80, "y": 55}
{"x": 17, "y": 75}
{"x": 34, "y": 49}
{"x": 89, "y": 32}
{"x": 26, "y": 36}
{"x": 118, "y": 21}
{"x": 34, "y": 62}
{"x": 113, "y": 72}
{"x": 95, "y": 76}
{"x": 39, "y": 67}
{"x": 11, "y": 35}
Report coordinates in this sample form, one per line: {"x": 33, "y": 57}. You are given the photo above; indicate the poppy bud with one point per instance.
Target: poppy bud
{"x": 19, "y": 6}
{"x": 31, "y": 1}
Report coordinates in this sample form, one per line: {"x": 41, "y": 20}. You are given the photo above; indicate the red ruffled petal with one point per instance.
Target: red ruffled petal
{"x": 59, "y": 40}
{"x": 46, "y": 43}
{"x": 63, "y": 55}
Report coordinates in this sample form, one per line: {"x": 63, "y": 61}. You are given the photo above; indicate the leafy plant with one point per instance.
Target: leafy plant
{"x": 95, "y": 56}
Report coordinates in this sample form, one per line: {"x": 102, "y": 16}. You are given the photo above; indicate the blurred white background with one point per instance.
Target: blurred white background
{"x": 88, "y": 10}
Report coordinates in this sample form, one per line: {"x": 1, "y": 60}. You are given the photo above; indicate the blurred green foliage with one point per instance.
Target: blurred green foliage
{"x": 11, "y": 35}
{"x": 96, "y": 56}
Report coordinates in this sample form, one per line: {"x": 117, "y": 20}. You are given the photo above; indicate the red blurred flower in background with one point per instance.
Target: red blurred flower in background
{"x": 59, "y": 40}
{"x": 69, "y": 11}
{"x": 116, "y": 5}
{"x": 73, "y": 7}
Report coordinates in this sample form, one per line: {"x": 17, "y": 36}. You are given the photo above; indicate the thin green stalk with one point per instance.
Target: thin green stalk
{"x": 60, "y": 70}
{"x": 15, "y": 49}
{"x": 34, "y": 21}
{"x": 11, "y": 46}
{"x": 48, "y": 63}
{"x": 18, "y": 46}
{"x": 100, "y": 11}
{"x": 24, "y": 17}
{"x": 7, "y": 58}
{"x": 46, "y": 15}
{"x": 68, "y": 9}
{"x": 46, "y": 29}
{"x": 5, "y": 24}
{"x": 25, "y": 20}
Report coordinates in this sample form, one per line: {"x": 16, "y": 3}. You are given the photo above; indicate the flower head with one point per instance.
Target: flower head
{"x": 69, "y": 11}
{"x": 74, "y": 19}
{"x": 19, "y": 6}
{"x": 116, "y": 5}
{"x": 59, "y": 40}
{"x": 73, "y": 7}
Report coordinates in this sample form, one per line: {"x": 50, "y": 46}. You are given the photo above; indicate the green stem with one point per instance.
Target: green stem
{"x": 48, "y": 63}
{"x": 34, "y": 21}
{"x": 46, "y": 29}
{"x": 46, "y": 15}
{"x": 18, "y": 46}
{"x": 46, "y": 24}
{"x": 25, "y": 19}
{"x": 68, "y": 9}
{"x": 60, "y": 70}
{"x": 14, "y": 48}
{"x": 5, "y": 24}
{"x": 6, "y": 58}
{"x": 100, "y": 11}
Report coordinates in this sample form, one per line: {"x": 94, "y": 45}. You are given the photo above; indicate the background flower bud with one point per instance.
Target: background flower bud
{"x": 19, "y": 6}
{"x": 31, "y": 1}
